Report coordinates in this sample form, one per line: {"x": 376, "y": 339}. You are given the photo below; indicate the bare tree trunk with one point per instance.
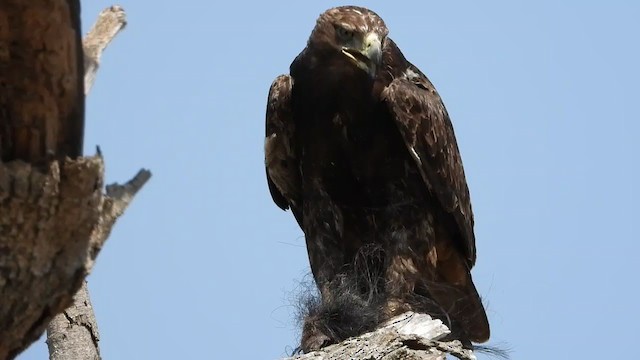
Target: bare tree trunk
{"x": 41, "y": 68}
{"x": 54, "y": 214}
{"x": 73, "y": 334}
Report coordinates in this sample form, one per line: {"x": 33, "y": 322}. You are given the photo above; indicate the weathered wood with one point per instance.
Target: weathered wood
{"x": 54, "y": 214}
{"x": 109, "y": 23}
{"x": 41, "y": 80}
{"x": 52, "y": 227}
{"x": 409, "y": 336}
{"x": 73, "y": 334}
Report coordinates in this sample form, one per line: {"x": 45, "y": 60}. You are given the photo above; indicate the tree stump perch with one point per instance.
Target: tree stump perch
{"x": 410, "y": 336}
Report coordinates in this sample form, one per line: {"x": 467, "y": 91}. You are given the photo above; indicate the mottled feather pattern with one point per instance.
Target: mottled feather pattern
{"x": 355, "y": 18}
{"x": 280, "y": 159}
{"x": 424, "y": 122}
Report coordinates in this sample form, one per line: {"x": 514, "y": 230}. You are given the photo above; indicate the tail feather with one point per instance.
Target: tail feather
{"x": 458, "y": 297}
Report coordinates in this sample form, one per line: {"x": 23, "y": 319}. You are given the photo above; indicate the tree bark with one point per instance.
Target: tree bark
{"x": 73, "y": 334}
{"x": 409, "y": 336}
{"x": 110, "y": 22}
{"x": 54, "y": 214}
{"x": 41, "y": 80}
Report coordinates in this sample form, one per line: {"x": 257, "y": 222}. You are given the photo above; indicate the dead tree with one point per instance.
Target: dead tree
{"x": 55, "y": 214}
{"x": 73, "y": 334}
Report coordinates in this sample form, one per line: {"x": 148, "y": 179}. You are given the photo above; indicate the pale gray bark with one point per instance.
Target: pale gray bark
{"x": 409, "y": 336}
{"x": 73, "y": 334}
{"x": 109, "y": 23}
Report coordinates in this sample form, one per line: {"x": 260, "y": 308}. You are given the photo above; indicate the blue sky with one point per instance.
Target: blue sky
{"x": 544, "y": 100}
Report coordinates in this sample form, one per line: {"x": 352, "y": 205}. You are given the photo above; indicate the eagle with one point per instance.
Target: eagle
{"x": 359, "y": 146}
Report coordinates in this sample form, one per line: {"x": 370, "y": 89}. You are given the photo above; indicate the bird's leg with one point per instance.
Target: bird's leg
{"x": 314, "y": 335}
{"x": 401, "y": 275}
{"x": 325, "y": 258}
{"x": 323, "y": 227}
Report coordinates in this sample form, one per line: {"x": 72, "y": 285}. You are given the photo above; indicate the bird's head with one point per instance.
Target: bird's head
{"x": 352, "y": 32}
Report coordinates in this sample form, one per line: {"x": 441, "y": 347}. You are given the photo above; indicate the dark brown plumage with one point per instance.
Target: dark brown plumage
{"x": 360, "y": 147}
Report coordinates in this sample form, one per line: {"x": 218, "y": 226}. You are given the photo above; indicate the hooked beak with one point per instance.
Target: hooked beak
{"x": 367, "y": 55}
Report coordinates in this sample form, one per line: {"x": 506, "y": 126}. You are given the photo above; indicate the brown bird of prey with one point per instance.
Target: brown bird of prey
{"x": 360, "y": 147}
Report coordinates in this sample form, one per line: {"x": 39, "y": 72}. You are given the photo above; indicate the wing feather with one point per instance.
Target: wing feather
{"x": 426, "y": 128}
{"x": 281, "y": 162}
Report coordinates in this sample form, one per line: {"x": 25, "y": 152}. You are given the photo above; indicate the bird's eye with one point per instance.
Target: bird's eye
{"x": 344, "y": 34}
